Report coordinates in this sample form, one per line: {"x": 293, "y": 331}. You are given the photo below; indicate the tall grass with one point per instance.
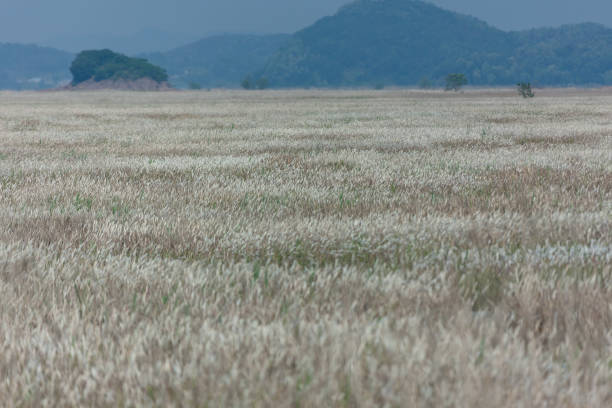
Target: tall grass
{"x": 306, "y": 248}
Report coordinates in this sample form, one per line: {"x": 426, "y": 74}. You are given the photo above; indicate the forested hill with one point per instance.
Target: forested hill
{"x": 102, "y": 65}
{"x": 400, "y": 42}
{"x": 218, "y": 61}
{"x": 32, "y": 67}
{"x": 578, "y": 54}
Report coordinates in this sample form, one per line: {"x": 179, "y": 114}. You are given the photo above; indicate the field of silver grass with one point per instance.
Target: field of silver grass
{"x": 306, "y": 248}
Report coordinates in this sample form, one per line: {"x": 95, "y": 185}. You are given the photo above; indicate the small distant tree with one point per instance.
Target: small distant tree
{"x": 425, "y": 83}
{"x": 455, "y": 82}
{"x": 262, "y": 83}
{"x": 194, "y": 86}
{"x": 379, "y": 86}
{"x": 524, "y": 89}
{"x": 247, "y": 83}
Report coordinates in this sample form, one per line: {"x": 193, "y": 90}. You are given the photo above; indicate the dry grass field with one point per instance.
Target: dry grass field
{"x": 306, "y": 249}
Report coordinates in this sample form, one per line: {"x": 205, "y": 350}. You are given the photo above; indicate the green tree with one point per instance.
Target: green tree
{"x": 455, "y": 82}
{"x": 425, "y": 83}
{"x": 105, "y": 64}
{"x": 262, "y": 83}
{"x": 524, "y": 89}
{"x": 247, "y": 83}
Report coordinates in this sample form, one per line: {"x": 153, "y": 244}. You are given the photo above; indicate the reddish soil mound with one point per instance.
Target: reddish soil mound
{"x": 142, "y": 84}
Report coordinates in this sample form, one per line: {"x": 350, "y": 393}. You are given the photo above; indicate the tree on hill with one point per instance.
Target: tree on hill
{"x": 106, "y": 64}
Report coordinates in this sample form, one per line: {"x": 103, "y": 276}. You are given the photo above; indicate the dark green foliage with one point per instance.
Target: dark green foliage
{"x": 32, "y": 67}
{"x": 401, "y": 41}
{"x": 105, "y": 64}
{"x": 262, "y": 83}
{"x": 247, "y": 82}
{"x": 218, "y": 61}
{"x": 524, "y": 89}
{"x": 395, "y": 41}
{"x": 194, "y": 86}
{"x": 569, "y": 55}
{"x": 455, "y": 82}
{"x": 425, "y": 83}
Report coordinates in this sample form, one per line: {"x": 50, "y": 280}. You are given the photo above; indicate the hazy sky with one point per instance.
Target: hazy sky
{"x": 521, "y": 14}
{"x": 58, "y": 22}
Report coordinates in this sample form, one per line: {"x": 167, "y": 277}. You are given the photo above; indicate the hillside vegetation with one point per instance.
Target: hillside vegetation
{"x": 403, "y": 41}
{"x": 100, "y": 65}
{"x": 218, "y": 61}
{"x": 369, "y": 43}
{"x": 32, "y": 67}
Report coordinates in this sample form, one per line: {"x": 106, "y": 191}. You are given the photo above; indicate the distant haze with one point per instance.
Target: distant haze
{"x": 145, "y": 25}
{"x": 77, "y": 24}
{"x": 522, "y": 14}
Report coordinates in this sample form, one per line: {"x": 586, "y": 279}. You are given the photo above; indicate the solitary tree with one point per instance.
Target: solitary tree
{"x": 425, "y": 83}
{"x": 455, "y": 82}
{"x": 524, "y": 89}
{"x": 247, "y": 83}
{"x": 262, "y": 83}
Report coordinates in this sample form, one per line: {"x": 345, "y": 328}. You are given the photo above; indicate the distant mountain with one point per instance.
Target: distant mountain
{"x": 578, "y": 54}
{"x": 143, "y": 41}
{"x": 218, "y": 61}
{"x": 400, "y": 42}
{"x": 366, "y": 43}
{"x": 33, "y": 67}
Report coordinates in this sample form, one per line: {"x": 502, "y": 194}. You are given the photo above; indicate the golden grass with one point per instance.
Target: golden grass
{"x": 306, "y": 248}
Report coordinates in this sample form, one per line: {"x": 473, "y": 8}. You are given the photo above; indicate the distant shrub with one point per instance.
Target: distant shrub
{"x": 195, "y": 86}
{"x": 524, "y": 89}
{"x": 247, "y": 82}
{"x": 106, "y": 64}
{"x": 262, "y": 83}
{"x": 455, "y": 82}
{"x": 378, "y": 86}
{"x": 425, "y": 83}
